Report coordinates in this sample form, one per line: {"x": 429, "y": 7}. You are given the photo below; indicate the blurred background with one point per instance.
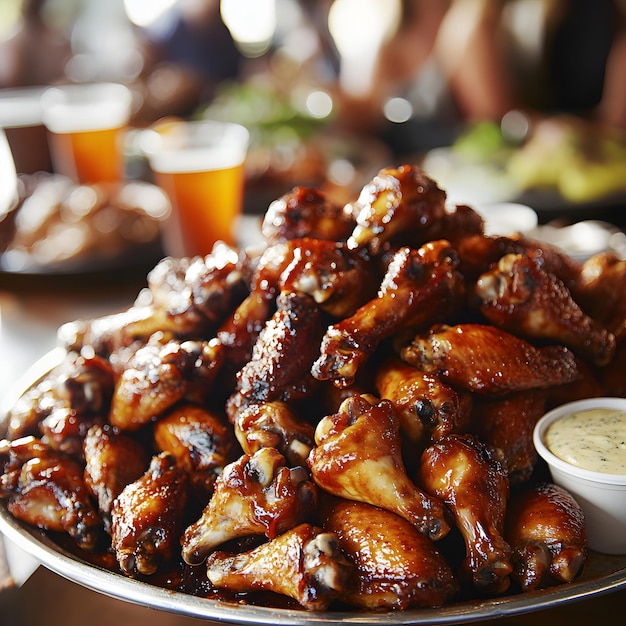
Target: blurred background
{"x": 500, "y": 101}
{"x": 503, "y": 102}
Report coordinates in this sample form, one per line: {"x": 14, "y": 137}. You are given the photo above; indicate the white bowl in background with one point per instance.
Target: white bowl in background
{"x": 601, "y": 496}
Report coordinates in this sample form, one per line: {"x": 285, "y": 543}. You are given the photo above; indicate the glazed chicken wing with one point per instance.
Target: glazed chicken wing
{"x": 519, "y": 296}
{"x": 112, "y": 461}
{"x": 255, "y": 495}
{"x": 358, "y": 457}
{"x": 395, "y": 566}
{"x": 305, "y": 212}
{"x": 147, "y": 517}
{"x": 201, "y": 441}
{"x": 428, "y": 408}
{"x": 274, "y": 425}
{"x": 419, "y": 286}
{"x": 160, "y": 374}
{"x": 488, "y": 360}
{"x": 507, "y": 423}
{"x": 46, "y": 489}
{"x": 304, "y": 563}
{"x": 398, "y": 202}
{"x": 546, "y": 529}
{"x": 470, "y": 478}
{"x": 600, "y": 290}
{"x": 186, "y": 297}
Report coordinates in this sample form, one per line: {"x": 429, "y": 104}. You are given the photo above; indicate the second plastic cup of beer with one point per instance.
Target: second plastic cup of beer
{"x": 86, "y": 124}
{"x": 200, "y": 165}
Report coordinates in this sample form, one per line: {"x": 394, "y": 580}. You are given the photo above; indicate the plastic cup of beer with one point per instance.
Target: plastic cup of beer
{"x": 86, "y": 125}
{"x": 200, "y": 165}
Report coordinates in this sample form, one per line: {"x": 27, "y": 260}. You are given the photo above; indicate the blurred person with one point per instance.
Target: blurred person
{"x": 188, "y": 52}
{"x": 461, "y": 61}
{"x": 36, "y": 51}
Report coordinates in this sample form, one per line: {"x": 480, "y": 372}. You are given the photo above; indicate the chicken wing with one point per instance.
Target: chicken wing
{"x": 358, "y": 457}
{"x": 112, "y": 461}
{"x": 488, "y": 360}
{"x": 396, "y": 202}
{"x": 600, "y": 290}
{"x": 186, "y": 297}
{"x": 147, "y": 518}
{"x": 428, "y": 409}
{"x": 305, "y": 212}
{"x": 160, "y": 374}
{"x": 546, "y": 529}
{"x": 395, "y": 566}
{"x": 304, "y": 563}
{"x": 46, "y": 489}
{"x": 507, "y": 423}
{"x": 255, "y": 495}
{"x": 470, "y": 478}
{"x": 274, "y": 425}
{"x": 202, "y": 442}
{"x": 520, "y": 297}
{"x": 418, "y": 287}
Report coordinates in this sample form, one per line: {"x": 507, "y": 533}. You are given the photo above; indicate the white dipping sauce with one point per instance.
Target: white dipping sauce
{"x": 594, "y": 440}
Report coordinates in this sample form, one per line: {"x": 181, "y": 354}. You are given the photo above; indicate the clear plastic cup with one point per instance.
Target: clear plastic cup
{"x": 200, "y": 165}
{"x": 86, "y": 125}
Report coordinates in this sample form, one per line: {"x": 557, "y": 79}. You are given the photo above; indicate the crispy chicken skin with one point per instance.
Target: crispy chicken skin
{"x": 255, "y": 495}
{"x": 519, "y": 296}
{"x": 160, "y": 374}
{"x": 428, "y": 408}
{"x": 507, "y": 423}
{"x": 419, "y": 286}
{"x": 546, "y": 529}
{"x": 397, "y": 202}
{"x": 147, "y": 517}
{"x": 112, "y": 461}
{"x": 358, "y": 457}
{"x": 185, "y": 297}
{"x": 274, "y": 425}
{"x": 201, "y": 440}
{"x": 487, "y": 360}
{"x": 46, "y": 489}
{"x": 305, "y": 212}
{"x": 600, "y": 290}
{"x": 470, "y": 478}
{"x": 305, "y": 563}
{"x": 395, "y": 566}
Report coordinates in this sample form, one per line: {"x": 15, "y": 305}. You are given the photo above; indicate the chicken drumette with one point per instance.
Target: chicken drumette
{"x": 147, "y": 518}
{"x": 358, "y": 457}
{"x": 545, "y": 527}
{"x": 470, "y": 478}
{"x": 428, "y": 409}
{"x": 395, "y": 566}
{"x": 255, "y": 495}
{"x": 397, "y": 203}
{"x": 305, "y": 563}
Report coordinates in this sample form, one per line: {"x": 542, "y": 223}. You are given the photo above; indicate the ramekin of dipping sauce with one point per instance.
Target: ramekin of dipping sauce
{"x": 584, "y": 445}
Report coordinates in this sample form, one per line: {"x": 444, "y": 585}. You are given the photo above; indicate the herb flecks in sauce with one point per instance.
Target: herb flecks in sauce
{"x": 594, "y": 439}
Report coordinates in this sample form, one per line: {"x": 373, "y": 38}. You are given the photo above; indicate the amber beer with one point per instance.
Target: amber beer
{"x": 86, "y": 125}
{"x": 200, "y": 165}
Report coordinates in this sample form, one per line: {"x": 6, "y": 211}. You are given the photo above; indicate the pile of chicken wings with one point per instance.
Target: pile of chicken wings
{"x": 342, "y": 415}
